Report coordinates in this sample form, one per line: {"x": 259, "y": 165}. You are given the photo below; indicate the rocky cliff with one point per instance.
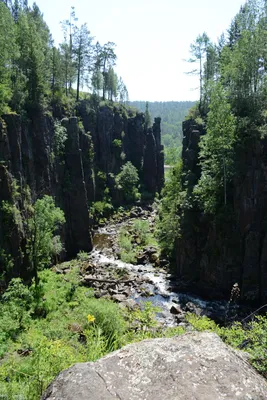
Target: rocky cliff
{"x": 98, "y": 142}
{"x": 213, "y": 253}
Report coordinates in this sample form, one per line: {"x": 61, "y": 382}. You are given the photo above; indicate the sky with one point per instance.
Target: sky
{"x": 152, "y": 38}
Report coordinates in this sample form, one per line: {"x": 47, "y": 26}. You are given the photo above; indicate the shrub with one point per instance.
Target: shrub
{"x": 42, "y": 241}
{"x": 60, "y": 138}
{"x": 117, "y": 143}
{"x": 168, "y": 222}
{"x": 101, "y": 209}
{"x": 142, "y": 230}
{"x": 128, "y": 181}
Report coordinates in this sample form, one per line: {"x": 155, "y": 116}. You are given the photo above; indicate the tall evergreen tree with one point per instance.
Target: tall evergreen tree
{"x": 106, "y": 58}
{"x": 7, "y": 55}
{"x": 83, "y": 55}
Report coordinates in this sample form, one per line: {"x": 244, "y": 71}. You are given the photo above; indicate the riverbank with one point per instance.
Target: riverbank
{"x": 97, "y": 303}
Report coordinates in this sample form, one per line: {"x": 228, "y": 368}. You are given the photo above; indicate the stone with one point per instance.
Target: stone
{"x": 212, "y": 256}
{"x": 175, "y": 309}
{"x": 141, "y": 259}
{"x": 153, "y": 258}
{"x": 131, "y": 304}
{"x": 193, "y": 366}
{"x": 192, "y": 308}
{"x": 118, "y": 298}
{"x": 26, "y": 149}
{"x": 164, "y": 262}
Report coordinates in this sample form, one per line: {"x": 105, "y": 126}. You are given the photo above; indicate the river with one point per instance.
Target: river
{"x": 143, "y": 282}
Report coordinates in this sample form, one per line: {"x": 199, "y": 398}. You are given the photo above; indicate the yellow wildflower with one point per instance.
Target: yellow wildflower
{"x": 90, "y": 318}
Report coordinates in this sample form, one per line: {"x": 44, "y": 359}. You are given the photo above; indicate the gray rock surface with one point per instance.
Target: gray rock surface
{"x": 194, "y": 366}
{"x": 212, "y": 255}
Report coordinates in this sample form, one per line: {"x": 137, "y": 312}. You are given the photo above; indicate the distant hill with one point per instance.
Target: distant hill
{"x": 172, "y": 114}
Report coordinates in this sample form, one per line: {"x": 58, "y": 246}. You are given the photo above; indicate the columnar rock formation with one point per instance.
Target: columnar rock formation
{"x": 30, "y": 167}
{"x": 213, "y": 253}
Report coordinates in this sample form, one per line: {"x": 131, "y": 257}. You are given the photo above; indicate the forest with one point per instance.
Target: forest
{"x": 35, "y": 73}
{"x": 81, "y": 167}
{"x": 172, "y": 115}
{"x": 231, "y": 109}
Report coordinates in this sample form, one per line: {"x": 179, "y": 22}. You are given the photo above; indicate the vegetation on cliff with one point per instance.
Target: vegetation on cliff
{"x": 66, "y": 132}
{"x": 35, "y": 73}
{"x": 172, "y": 114}
{"x": 232, "y": 114}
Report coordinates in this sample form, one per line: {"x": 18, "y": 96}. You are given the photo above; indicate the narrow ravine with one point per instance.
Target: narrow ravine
{"x": 133, "y": 284}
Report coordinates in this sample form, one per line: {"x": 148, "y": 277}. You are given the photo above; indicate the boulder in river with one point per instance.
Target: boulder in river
{"x": 194, "y": 366}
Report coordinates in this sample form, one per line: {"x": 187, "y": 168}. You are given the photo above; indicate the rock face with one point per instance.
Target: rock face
{"x": 31, "y": 166}
{"x": 213, "y": 255}
{"x": 194, "y": 366}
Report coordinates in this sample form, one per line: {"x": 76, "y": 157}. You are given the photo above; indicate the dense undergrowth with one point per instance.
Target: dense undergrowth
{"x": 49, "y": 328}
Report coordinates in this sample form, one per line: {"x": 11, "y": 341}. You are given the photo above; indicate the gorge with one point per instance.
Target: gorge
{"x": 101, "y": 248}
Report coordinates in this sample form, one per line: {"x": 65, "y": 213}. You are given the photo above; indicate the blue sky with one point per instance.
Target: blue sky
{"x": 152, "y": 38}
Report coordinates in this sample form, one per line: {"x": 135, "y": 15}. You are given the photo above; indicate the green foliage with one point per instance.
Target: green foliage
{"x": 194, "y": 113}
{"x": 172, "y": 154}
{"x": 6, "y": 263}
{"x": 168, "y": 222}
{"x": 128, "y": 181}
{"x": 133, "y": 238}
{"x": 216, "y": 152}
{"x": 15, "y": 312}
{"x": 172, "y": 115}
{"x": 76, "y": 328}
{"x": 43, "y": 244}
{"x": 35, "y": 74}
{"x": 127, "y": 253}
{"x": 202, "y": 324}
{"x": 11, "y": 214}
{"x": 101, "y": 209}
{"x": 59, "y": 138}
{"x": 141, "y": 229}
{"x": 117, "y": 143}
{"x": 8, "y": 53}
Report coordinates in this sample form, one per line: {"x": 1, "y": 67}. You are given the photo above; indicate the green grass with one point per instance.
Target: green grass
{"x": 52, "y": 331}
{"x": 47, "y": 330}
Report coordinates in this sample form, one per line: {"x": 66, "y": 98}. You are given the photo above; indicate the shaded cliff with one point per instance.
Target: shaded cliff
{"x": 95, "y": 143}
{"x": 214, "y": 252}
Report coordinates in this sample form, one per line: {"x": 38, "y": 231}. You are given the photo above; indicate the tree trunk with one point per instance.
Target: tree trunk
{"x": 78, "y": 75}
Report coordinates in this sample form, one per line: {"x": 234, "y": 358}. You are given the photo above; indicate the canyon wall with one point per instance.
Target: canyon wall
{"x": 215, "y": 252}
{"x": 32, "y": 163}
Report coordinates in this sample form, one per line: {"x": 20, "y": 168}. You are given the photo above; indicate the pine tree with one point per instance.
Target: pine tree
{"x": 8, "y": 54}
{"x": 83, "y": 55}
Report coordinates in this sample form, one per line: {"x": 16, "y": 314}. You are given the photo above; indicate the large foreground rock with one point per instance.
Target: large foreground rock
{"x": 194, "y": 366}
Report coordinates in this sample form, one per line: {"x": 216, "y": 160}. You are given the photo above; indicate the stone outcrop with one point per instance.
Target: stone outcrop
{"x": 212, "y": 255}
{"x": 99, "y": 141}
{"x": 194, "y": 366}
{"x": 119, "y": 136}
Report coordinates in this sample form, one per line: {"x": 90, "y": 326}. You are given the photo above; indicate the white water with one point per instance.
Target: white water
{"x": 157, "y": 282}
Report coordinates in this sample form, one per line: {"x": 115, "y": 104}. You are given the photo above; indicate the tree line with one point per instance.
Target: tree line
{"x": 233, "y": 93}
{"x": 231, "y": 109}
{"x": 35, "y": 72}
{"x": 172, "y": 115}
